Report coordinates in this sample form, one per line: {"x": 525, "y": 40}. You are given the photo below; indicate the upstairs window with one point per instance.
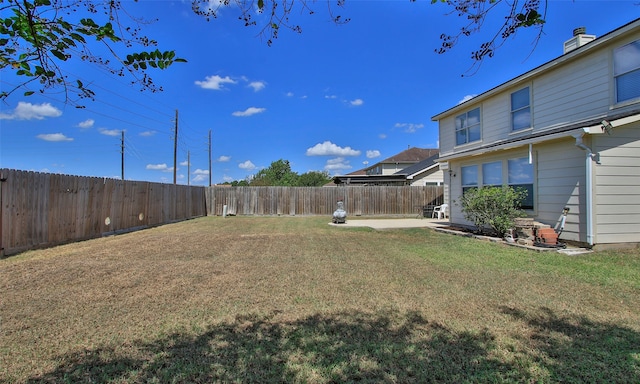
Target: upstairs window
{"x": 520, "y": 110}
{"x": 468, "y": 127}
{"x": 626, "y": 71}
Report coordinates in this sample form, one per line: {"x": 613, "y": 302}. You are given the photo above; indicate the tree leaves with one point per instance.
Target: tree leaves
{"x": 38, "y": 36}
{"x": 520, "y": 14}
{"x": 154, "y": 59}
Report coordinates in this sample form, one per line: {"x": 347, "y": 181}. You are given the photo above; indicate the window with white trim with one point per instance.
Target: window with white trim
{"x": 519, "y": 175}
{"x": 626, "y": 71}
{"x": 520, "y": 110}
{"x": 469, "y": 177}
{"x": 468, "y": 127}
{"x": 492, "y": 173}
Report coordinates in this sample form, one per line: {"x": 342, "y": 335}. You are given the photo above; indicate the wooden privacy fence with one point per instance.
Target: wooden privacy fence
{"x": 359, "y": 201}
{"x": 40, "y": 210}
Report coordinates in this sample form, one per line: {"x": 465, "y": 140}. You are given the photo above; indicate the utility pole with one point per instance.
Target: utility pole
{"x": 210, "y": 158}
{"x": 188, "y": 168}
{"x": 122, "y": 153}
{"x": 175, "y": 150}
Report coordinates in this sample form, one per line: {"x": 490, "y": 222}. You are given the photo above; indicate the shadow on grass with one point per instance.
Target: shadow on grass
{"x": 356, "y": 346}
{"x": 578, "y": 350}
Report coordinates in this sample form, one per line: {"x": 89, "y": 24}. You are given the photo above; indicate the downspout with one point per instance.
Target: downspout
{"x": 588, "y": 186}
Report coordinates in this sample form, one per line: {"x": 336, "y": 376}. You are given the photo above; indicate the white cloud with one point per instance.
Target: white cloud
{"x": 86, "y": 124}
{"x": 184, "y": 163}
{"x": 224, "y": 159}
{"x": 373, "y": 154}
{"x": 356, "y": 102}
{"x": 247, "y": 165}
{"x": 382, "y": 136}
{"x": 28, "y": 111}
{"x": 54, "y": 137}
{"x": 249, "y": 112}
{"x": 257, "y": 85}
{"x": 330, "y": 97}
{"x": 337, "y": 164}
{"x": 147, "y": 133}
{"x": 159, "y": 167}
{"x": 467, "y": 98}
{"x": 409, "y": 127}
{"x": 215, "y": 82}
{"x": 110, "y": 132}
{"x": 200, "y": 175}
{"x": 199, "y": 178}
{"x": 330, "y": 149}
{"x": 289, "y": 94}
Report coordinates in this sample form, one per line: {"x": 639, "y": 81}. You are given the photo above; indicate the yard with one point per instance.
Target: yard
{"x": 290, "y": 299}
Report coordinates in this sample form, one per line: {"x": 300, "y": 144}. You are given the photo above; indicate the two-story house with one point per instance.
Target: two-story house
{"x": 567, "y": 131}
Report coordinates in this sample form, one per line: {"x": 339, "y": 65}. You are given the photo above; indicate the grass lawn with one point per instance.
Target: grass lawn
{"x": 288, "y": 299}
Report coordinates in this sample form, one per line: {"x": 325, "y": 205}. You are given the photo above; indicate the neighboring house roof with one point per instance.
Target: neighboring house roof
{"x": 411, "y": 155}
{"x": 419, "y": 167}
{"x": 415, "y": 155}
{"x": 362, "y": 171}
{"x": 549, "y": 66}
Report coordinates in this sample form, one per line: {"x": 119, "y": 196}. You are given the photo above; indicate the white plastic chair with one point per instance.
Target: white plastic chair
{"x": 440, "y": 212}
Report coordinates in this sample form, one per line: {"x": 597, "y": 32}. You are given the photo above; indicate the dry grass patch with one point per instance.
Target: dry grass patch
{"x": 254, "y": 299}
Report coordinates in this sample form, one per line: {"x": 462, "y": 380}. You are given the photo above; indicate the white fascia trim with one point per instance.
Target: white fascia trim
{"x": 598, "y": 129}
{"x": 512, "y": 145}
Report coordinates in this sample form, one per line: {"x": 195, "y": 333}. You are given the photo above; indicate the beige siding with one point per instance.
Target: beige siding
{"x": 496, "y": 118}
{"x": 617, "y": 185}
{"x": 574, "y": 92}
{"x": 447, "y": 134}
{"x": 390, "y": 169}
{"x": 436, "y": 176}
{"x": 561, "y": 181}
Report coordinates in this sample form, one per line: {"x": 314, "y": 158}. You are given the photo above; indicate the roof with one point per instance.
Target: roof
{"x": 548, "y": 66}
{"x": 411, "y": 155}
{"x": 420, "y": 166}
{"x": 360, "y": 176}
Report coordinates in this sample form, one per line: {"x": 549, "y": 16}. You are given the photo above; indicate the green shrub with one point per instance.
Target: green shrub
{"x": 495, "y": 207}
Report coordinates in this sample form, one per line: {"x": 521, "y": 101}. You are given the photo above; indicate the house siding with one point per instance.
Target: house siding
{"x": 618, "y": 185}
{"x": 573, "y": 92}
{"x": 561, "y": 182}
{"x": 435, "y": 177}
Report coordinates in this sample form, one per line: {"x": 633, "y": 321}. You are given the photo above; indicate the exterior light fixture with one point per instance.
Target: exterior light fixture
{"x": 606, "y": 127}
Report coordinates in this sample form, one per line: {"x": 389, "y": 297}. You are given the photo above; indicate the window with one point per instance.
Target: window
{"x": 520, "y": 110}
{"x": 626, "y": 71}
{"x": 492, "y": 173}
{"x": 521, "y": 177}
{"x": 468, "y": 127}
{"x": 469, "y": 177}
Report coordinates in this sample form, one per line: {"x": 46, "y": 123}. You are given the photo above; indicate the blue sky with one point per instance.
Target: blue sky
{"x": 335, "y": 98}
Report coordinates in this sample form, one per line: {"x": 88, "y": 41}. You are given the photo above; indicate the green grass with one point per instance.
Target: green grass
{"x": 289, "y": 299}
